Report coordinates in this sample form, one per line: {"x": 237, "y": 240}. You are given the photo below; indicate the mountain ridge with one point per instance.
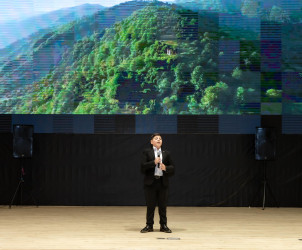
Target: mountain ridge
{"x": 33, "y": 49}
{"x": 159, "y": 59}
{"x": 154, "y": 59}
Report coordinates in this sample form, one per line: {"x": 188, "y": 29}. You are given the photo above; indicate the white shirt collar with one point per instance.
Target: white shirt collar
{"x": 156, "y": 150}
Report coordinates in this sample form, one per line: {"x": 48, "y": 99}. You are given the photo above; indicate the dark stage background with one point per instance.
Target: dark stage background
{"x": 104, "y": 169}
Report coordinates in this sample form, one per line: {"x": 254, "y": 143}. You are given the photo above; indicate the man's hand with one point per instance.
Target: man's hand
{"x": 157, "y": 160}
{"x": 163, "y": 167}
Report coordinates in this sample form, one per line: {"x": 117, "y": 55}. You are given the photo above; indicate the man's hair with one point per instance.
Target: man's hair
{"x": 153, "y": 135}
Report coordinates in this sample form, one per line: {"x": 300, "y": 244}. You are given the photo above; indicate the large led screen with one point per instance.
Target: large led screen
{"x": 151, "y": 57}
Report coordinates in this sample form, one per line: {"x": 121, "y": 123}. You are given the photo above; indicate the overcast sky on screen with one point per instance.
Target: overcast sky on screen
{"x": 20, "y": 9}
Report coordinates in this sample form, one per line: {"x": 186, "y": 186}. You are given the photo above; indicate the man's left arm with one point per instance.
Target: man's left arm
{"x": 169, "y": 165}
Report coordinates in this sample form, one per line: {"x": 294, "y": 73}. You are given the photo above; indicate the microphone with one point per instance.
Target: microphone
{"x": 158, "y": 155}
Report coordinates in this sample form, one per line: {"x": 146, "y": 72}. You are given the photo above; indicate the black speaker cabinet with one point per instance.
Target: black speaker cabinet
{"x": 23, "y": 141}
{"x": 265, "y": 144}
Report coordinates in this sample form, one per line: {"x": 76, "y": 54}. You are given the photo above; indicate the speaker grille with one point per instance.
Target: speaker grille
{"x": 265, "y": 144}
{"x": 23, "y": 141}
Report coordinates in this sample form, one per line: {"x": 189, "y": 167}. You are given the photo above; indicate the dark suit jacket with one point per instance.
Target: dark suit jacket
{"x": 148, "y": 166}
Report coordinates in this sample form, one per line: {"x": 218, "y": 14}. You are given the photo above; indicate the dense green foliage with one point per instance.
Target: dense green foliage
{"x": 160, "y": 60}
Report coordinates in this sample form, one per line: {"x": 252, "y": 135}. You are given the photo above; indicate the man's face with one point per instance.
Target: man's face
{"x": 157, "y": 141}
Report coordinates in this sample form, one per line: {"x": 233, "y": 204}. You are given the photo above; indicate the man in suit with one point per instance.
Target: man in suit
{"x": 157, "y": 166}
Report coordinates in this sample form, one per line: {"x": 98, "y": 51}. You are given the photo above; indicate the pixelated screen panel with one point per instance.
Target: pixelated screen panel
{"x": 151, "y": 57}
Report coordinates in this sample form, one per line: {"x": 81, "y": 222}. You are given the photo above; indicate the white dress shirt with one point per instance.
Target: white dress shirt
{"x": 158, "y": 171}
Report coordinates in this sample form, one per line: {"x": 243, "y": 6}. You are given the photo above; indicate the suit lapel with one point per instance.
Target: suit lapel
{"x": 152, "y": 156}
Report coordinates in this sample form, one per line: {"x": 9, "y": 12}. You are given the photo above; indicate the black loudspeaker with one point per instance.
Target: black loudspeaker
{"x": 265, "y": 144}
{"x": 23, "y": 141}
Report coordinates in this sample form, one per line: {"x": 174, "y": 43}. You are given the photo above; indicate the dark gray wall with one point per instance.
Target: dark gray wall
{"x": 104, "y": 169}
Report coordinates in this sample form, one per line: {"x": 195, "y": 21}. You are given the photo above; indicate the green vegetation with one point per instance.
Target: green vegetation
{"x": 159, "y": 60}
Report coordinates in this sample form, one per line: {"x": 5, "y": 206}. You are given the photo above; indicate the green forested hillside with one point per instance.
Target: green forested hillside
{"x": 30, "y": 59}
{"x": 161, "y": 59}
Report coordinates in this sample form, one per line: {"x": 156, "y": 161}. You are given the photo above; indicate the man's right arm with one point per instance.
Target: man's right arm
{"x": 146, "y": 163}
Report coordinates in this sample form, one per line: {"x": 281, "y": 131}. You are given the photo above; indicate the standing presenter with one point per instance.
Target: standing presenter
{"x": 157, "y": 166}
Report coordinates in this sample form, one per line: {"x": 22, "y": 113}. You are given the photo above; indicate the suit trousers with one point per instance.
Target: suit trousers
{"x": 156, "y": 194}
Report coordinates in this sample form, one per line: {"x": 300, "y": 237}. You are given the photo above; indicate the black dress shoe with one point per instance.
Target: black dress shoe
{"x": 164, "y": 228}
{"x": 147, "y": 229}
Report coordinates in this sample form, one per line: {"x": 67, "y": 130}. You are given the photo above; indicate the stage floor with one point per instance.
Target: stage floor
{"x": 55, "y": 227}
